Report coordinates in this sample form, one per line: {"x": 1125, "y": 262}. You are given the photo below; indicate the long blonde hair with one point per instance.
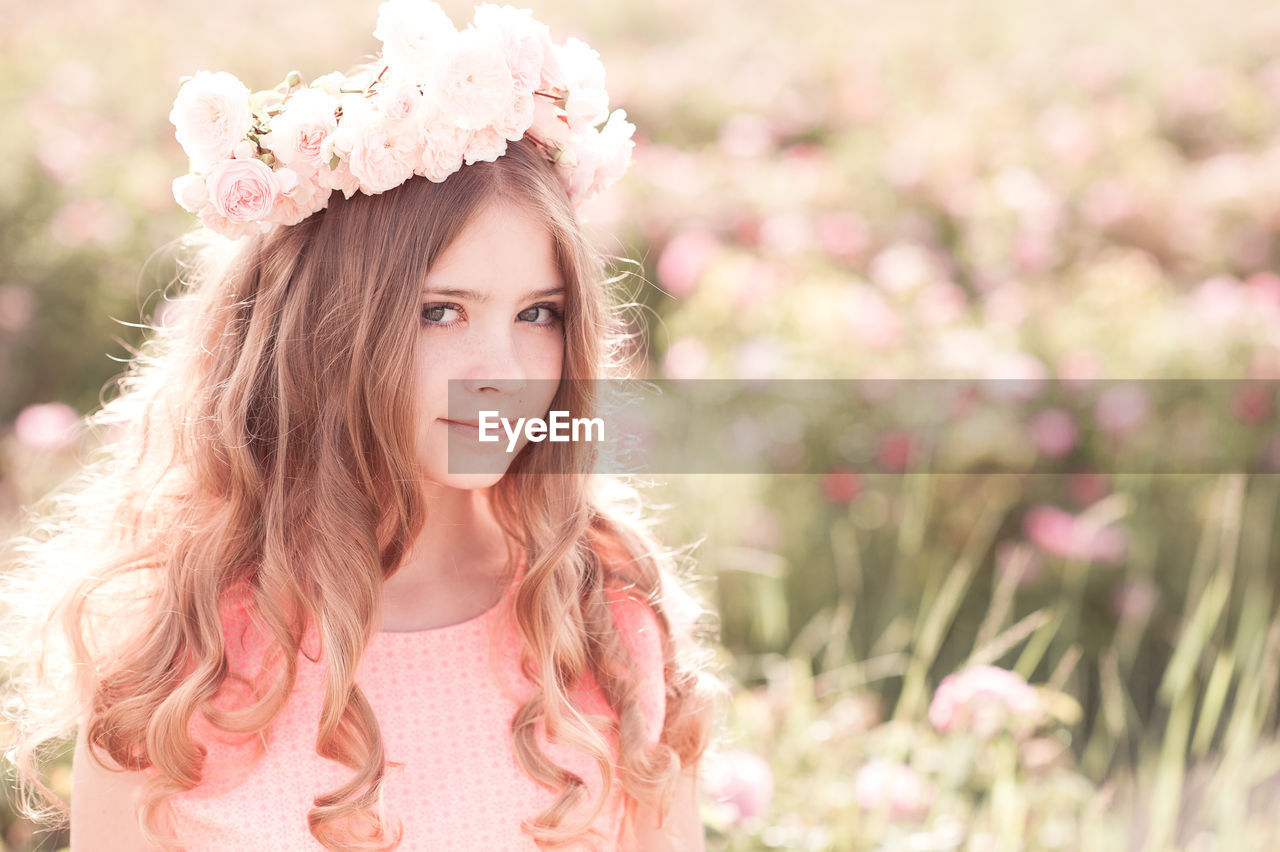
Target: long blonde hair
{"x": 264, "y": 439}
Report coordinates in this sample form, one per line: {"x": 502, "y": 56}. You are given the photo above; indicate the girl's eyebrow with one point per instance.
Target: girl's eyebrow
{"x": 480, "y": 298}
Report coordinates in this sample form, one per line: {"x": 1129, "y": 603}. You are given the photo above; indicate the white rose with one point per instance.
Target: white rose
{"x": 330, "y": 83}
{"x": 298, "y": 132}
{"x": 549, "y": 125}
{"x": 381, "y": 156}
{"x": 578, "y": 166}
{"x": 210, "y": 115}
{"x": 475, "y": 85}
{"x": 585, "y": 108}
{"x": 615, "y": 146}
{"x": 307, "y": 198}
{"x": 412, "y": 33}
{"x": 526, "y": 41}
{"x": 190, "y": 192}
{"x": 580, "y": 65}
{"x": 518, "y": 118}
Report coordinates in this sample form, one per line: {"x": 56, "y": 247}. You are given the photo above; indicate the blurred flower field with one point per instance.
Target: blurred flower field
{"x": 1078, "y": 653}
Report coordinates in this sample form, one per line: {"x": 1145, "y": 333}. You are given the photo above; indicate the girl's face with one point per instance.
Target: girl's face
{"x": 492, "y": 320}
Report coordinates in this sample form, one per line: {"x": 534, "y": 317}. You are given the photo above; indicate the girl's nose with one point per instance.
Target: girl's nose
{"x": 496, "y": 364}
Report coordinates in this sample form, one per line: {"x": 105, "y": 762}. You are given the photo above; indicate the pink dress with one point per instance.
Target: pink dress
{"x": 445, "y": 706}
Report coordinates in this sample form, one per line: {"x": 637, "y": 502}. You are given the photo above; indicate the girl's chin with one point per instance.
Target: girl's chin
{"x": 466, "y": 481}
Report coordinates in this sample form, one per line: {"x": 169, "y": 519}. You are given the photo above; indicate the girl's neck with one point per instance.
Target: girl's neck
{"x": 454, "y": 567}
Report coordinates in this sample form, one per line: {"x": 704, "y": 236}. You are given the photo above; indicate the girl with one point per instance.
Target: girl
{"x": 286, "y": 622}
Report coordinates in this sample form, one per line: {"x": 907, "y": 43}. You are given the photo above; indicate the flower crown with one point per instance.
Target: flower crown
{"x": 440, "y": 97}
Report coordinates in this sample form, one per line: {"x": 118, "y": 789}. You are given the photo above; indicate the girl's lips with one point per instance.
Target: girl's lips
{"x": 462, "y": 427}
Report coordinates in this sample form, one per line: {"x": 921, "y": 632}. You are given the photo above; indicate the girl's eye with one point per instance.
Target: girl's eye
{"x": 436, "y": 314}
{"x": 551, "y": 315}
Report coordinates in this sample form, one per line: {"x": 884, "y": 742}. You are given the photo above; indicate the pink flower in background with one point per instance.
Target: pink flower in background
{"x": 902, "y": 267}
{"x": 1122, "y": 409}
{"x": 1087, "y": 487}
{"x": 684, "y": 259}
{"x": 900, "y": 788}
{"x": 843, "y": 234}
{"x": 1054, "y": 432}
{"x": 48, "y": 426}
{"x": 940, "y": 303}
{"x": 759, "y": 528}
{"x": 1270, "y": 456}
{"x": 985, "y": 700}
{"x": 1134, "y": 601}
{"x": 686, "y": 358}
{"x": 1018, "y": 560}
{"x": 17, "y": 306}
{"x": 1015, "y": 375}
{"x": 747, "y": 136}
{"x": 1264, "y": 288}
{"x": 840, "y": 485}
{"x": 760, "y": 358}
{"x": 895, "y": 451}
{"x": 1253, "y": 403}
{"x": 1070, "y": 537}
{"x": 1108, "y": 203}
{"x": 786, "y": 233}
{"x": 1067, "y": 133}
{"x": 872, "y": 320}
{"x": 742, "y": 780}
{"x": 85, "y": 220}
{"x": 1079, "y": 366}
{"x": 758, "y": 283}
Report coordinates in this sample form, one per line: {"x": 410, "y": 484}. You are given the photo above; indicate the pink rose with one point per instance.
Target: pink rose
{"x": 985, "y": 700}
{"x": 382, "y": 160}
{"x": 518, "y": 118}
{"x": 741, "y": 780}
{"x": 48, "y": 426}
{"x": 475, "y": 85}
{"x": 1070, "y": 537}
{"x": 485, "y": 145}
{"x": 242, "y": 190}
{"x": 881, "y": 784}
{"x": 306, "y": 198}
{"x": 1122, "y": 409}
{"x": 1054, "y": 432}
{"x": 298, "y": 134}
{"x": 400, "y": 101}
{"x": 210, "y": 115}
{"x": 443, "y": 146}
{"x": 378, "y": 154}
{"x": 218, "y": 223}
